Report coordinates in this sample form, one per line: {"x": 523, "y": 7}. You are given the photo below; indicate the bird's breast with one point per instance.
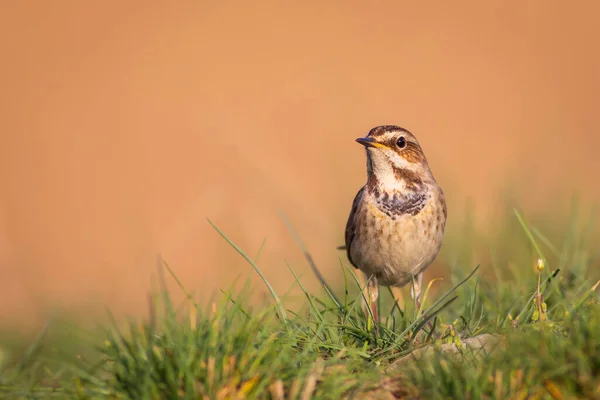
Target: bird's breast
{"x": 398, "y": 235}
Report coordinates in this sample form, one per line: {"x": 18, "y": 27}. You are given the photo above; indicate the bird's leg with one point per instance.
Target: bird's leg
{"x": 371, "y": 292}
{"x": 415, "y": 289}
{"x": 374, "y": 289}
{"x": 415, "y": 294}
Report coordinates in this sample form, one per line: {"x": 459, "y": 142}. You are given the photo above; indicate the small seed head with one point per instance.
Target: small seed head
{"x": 540, "y": 264}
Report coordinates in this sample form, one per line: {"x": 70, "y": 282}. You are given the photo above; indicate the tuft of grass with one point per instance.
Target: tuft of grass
{"x": 543, "y": 316}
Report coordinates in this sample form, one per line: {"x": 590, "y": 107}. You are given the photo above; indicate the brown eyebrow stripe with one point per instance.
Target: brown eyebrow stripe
{"x": 413, "y": 153}
{"x": 380, "y": 130}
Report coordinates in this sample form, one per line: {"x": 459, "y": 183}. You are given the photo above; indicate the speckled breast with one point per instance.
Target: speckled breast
{"x": 397, "y": 239}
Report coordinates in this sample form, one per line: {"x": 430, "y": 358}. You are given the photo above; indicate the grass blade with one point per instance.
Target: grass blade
{"x": 309, "y": 258}
{"x": 258, "y": 271}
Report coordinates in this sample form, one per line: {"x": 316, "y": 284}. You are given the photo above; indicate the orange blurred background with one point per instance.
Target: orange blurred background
{"x": 126, "y": 124}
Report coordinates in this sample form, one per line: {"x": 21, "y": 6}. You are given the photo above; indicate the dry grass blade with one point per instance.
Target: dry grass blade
{"x": 311, "y": 382}
{"x": 276, "y": 389}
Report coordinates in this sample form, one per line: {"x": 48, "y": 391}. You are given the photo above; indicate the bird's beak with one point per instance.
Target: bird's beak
{"x": 370, "y": 142}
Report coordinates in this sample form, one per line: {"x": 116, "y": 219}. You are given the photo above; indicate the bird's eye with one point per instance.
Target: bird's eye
{"x": 401, "y": 142}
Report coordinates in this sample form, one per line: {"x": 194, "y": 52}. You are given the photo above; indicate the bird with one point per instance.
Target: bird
{"x": 397, "y": 220}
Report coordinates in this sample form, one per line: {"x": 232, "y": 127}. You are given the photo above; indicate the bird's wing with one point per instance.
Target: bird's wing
{"x": 350, "y": 225}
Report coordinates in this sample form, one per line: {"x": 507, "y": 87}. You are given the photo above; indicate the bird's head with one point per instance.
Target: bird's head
{"x": 395, "y": 158}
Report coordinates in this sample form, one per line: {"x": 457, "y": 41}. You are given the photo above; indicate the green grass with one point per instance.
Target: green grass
{"x": 547, "y": 322}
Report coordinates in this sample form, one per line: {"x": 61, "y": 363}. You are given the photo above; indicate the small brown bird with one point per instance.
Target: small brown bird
{"x": 396, "y": 225}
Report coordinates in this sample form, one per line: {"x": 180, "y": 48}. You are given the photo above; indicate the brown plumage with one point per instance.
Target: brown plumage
{"x": 397, "y": 220}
